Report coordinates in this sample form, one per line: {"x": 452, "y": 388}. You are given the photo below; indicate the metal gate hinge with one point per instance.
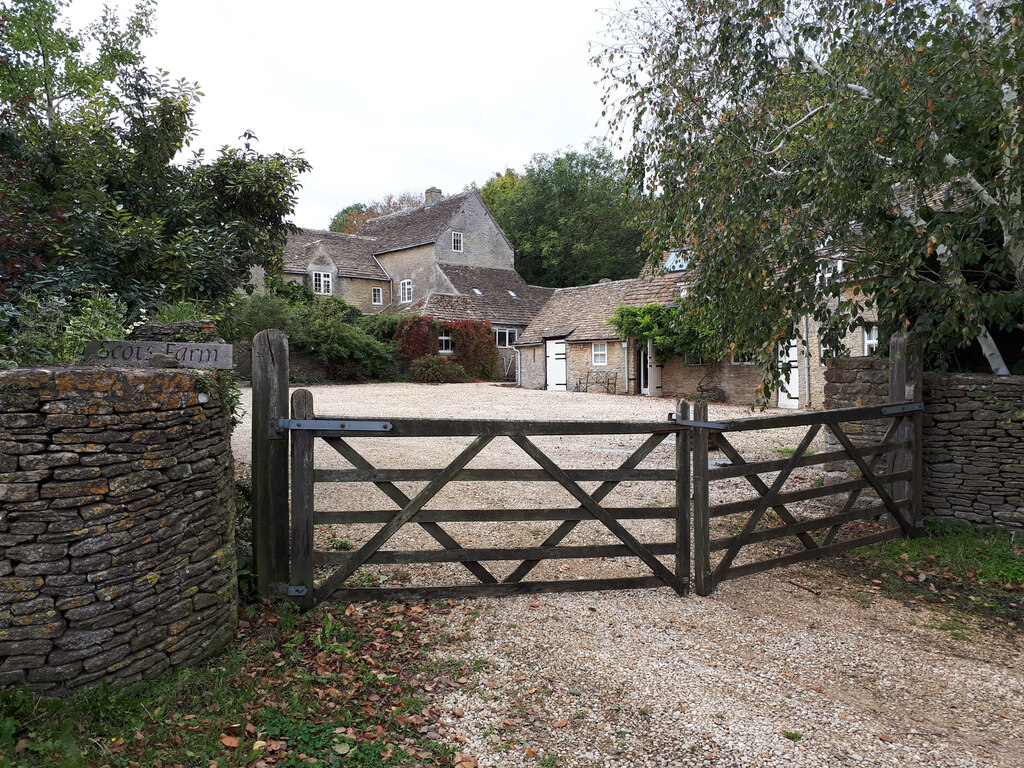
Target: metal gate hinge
{"x": 289, "y": 590}
{"x": 278, "y": 427}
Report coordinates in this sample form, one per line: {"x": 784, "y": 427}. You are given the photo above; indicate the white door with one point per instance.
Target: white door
{"x": 789, "y": 395}
{"x": 554, "y": 352}
{"x": 643, "y": 370}
{"x": 655, "y": 367}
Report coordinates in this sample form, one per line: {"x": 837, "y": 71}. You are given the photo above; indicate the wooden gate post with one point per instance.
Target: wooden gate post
{"x": 683, "y": 496}
{"x": 302, "y": 498}
{"x": 905, "y": 386}
{"x": 269, "y": 460}
{"x": 701, "y": 521}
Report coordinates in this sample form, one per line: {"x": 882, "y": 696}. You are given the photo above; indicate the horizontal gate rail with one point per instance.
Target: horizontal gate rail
{"x": 504, "y": 589}
{"x": 493, "y": 515}
{"x": 500, "y": 428}
{"x": 340, "y": 434}
{"x": 478, "y": 475}
{"x": 395, "y": 557}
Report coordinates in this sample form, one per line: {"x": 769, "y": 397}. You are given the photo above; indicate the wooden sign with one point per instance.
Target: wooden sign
{"x": 173, "y": 354}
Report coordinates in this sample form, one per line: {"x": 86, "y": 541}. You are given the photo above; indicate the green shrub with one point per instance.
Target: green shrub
{"x": 256, "y": 313}
{"x": 382, "y": 327}
{"x": 325, "y": 329}
{"x": 437, "y": 369}
{"x": 53, "y": 328}
{"x": 185, "y": 310}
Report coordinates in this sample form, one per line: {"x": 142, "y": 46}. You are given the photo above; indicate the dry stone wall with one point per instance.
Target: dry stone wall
{"x": 973, "y": 437}
{"x": 116, "y": 525}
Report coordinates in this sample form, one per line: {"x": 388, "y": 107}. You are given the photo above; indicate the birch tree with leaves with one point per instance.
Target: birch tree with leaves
{"x": 773, "y": 137}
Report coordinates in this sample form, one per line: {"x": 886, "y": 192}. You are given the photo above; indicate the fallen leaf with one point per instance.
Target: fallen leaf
{"x": 561, "y": 723}
{"x": 886, "y": 739}
{"x": 350, "y": 609}
{"x": 343, "y": 748}
{"x": 228, "y": 741}
{"x": 20, "y": 746}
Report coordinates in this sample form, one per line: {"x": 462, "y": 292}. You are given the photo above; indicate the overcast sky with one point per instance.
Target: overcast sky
{"x": 383, "y": 97}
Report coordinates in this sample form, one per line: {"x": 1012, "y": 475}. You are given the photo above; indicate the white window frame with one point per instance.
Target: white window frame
{"x": 322, "y": 284}
{"x": 405, "y": 291}
{"x": 741, "y": 358}
{"x": 457, "y": 242}
{"x": 870, "y": 339}
{"x": 506, "y": 335}
{"x": 830, "y": 271}
{"x": 599, "y": 353}
{"x": 445, "y": 345}
{"x": 377, "y": 296}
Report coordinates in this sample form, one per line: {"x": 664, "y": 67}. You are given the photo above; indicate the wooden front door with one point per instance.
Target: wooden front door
{"x": 554, "y": 353}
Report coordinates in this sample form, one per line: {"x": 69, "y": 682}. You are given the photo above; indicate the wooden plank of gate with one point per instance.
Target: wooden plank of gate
{"x": 600, "y": 513}
{"x": 872, "y": 479}
{"x": 466, "y": 591}
{"x": 780, "y": 509}
{"x": 702, "y": 574}
{"x": 302, "y": 498}
{"x": 762, "y": 507}
{"x": 599, "y": 495}
{"x": 269, "y": 459}
{"x": 683, "y": 496}
{"x": 380, "y": 538}
{"x": 394, "y": 493}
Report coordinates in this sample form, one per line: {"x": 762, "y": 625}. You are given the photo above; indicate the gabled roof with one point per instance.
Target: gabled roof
{"x": 418, "y": 226}
{"x": 578, "y": 314}
{"x": 351, "y": 254}
{"x": 482, "y": 293}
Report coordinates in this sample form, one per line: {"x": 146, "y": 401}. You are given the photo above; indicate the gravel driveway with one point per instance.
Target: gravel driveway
{"x": 795, "y": 667}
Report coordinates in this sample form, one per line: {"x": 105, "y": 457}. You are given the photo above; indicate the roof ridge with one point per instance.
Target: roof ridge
{"x": 417, "y": 209}
{"x": 327, "y": 232}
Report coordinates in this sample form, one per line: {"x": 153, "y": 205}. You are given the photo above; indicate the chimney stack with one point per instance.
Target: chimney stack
{"x": 431, "y": 196}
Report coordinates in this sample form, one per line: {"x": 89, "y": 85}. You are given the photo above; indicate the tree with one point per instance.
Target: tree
{"x": 350, "y": 218}
{"x": 43, "y": 58}
{"x": 768, "y": 135}
{"x": 94, "y": 143}
{"x": 570, "y": 217}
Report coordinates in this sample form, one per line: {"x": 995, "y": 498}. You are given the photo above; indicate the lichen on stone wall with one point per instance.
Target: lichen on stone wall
{"x": 116, "y": 526}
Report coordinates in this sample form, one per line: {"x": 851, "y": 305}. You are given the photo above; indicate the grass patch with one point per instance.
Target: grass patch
{"x": 331, "y": 690}
{"x": 976, "y": 571}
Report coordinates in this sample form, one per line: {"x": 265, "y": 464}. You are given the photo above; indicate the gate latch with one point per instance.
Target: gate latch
{"x": 288, "y": 590}
{"x": 278, "y": 427}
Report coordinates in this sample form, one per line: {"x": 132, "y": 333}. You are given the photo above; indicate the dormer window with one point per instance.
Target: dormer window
{"x": 322, "y": 283}
{"x": 677, "y": 261}
{"x": 457, "y": 242}
{"x": 405, "y": 291}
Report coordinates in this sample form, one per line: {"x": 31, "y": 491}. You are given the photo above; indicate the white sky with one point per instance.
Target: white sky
{"x": 384, "y": 97}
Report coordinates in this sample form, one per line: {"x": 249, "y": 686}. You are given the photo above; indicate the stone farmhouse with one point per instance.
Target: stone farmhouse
{"x": 448, "y": 258}
{"x": 570, "y": 345}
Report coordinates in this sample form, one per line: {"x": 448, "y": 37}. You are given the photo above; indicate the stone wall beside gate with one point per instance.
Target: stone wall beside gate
{"x": 116, "y": 525}
{"x": 973, "y": 437}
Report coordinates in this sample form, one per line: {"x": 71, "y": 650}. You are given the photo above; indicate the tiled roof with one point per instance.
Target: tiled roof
{"x": 655, "y": 288}
{"x": 493, "y": 303}
{"x": 578, "y": 314}
{"x": 352, "y": 254}
{"x": 415, "y": 227}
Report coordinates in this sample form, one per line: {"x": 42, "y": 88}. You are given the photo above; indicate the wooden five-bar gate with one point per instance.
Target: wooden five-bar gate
{"x": 884, "y": 486}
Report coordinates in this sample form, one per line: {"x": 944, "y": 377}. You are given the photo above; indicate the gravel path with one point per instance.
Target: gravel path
{"x": 795, "y": 667}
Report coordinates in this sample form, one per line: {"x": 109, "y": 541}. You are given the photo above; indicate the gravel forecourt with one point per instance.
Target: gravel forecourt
{"x": 794, "y": 667}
